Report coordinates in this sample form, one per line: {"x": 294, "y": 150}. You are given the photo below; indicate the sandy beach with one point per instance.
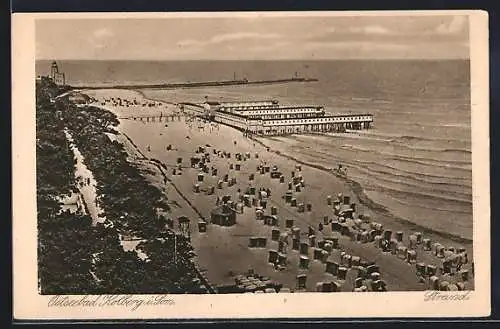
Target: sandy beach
{"x": 223, "y": 252}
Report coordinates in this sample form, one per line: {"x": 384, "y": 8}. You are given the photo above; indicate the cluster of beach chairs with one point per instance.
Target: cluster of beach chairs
{"x": 326, "y": 250}
{"x": 123, "y": 102}
{"x": 364, "y": 230}
{"x": 343, "y": 223}
{"x": 323, "y": 249}
{"x": 255, "y": 283}
{"x": 201, "y": 163}
{"x": 448, "y": 276}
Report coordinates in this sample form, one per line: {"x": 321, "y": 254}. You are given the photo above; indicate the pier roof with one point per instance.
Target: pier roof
{"x": 244, "y": 103}
{"x": 325, "y": 116}
{"x": 251, "y": 102}
{"x": 284, "y": 109}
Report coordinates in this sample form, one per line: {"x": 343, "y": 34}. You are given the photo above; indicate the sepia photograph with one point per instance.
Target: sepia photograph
{"x": 243, "y": 154}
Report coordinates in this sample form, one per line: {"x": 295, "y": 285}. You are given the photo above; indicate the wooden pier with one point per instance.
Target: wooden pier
{"x": 271, "y": 120}
{"x": 154, "y": 118}
{"x": 267, "y": 120}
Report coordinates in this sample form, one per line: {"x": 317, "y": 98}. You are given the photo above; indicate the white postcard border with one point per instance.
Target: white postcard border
{"x": 29, "y": 305}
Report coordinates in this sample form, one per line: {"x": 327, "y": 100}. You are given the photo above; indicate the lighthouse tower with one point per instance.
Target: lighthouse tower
{"x": 57, "y": 78}
{"x": 54, "y": 70}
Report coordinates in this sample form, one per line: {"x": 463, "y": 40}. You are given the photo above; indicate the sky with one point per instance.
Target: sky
{"x": 254, "y": 38}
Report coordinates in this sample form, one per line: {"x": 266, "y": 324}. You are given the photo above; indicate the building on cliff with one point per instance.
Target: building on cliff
{"x": 57, "y": 77}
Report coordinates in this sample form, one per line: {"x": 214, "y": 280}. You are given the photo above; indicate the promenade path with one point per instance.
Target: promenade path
{"x": 87, "y": 188}
{"x": 86, "y": 184}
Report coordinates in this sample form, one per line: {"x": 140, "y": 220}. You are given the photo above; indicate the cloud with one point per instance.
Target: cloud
{"x": 38, "y": 49}
{"x": 100, "y": 38}
{"x": 241, "y": 36}
{"x": 347, "y": 33}
{"x": 270, "y": 48}
{"x": 254, "y": 37}
{"x": 354, "y": 45}
{"x": 103, "y": 33}
{"x": 377, "y": 49}
{"x": 222, "y": 38}
{"x": 189, "y": 43}
{"x": 370, "y": 29}
{"x": 455, "y": 26}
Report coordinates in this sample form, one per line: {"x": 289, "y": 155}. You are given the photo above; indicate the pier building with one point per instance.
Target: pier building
{"x": 238, "y": 107}
{"x": 272, "y": 118}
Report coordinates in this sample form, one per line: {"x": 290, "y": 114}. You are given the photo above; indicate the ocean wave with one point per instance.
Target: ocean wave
{"x": 354, "y": 136}
{"x": 397, "y": 143}
{"x": 361, "y": 99}
{"x": 422, "y": 160}
{"x": 439, "y": 125}
{"x": 456, "y": 125}
{"x": 422, "y": 174}
{"x": 370, "y": 174}
{"x": 433, "y": 163}
{"x": 442, "y": 183}
{"x": 425, "y": 125}
{"x": 432, "y": 197}
{"x": 411, "y": 138}
{"x": 432, "y": 149}
{"x": 316, "y": 153}
{"x": 383, "y": 101}
{"x": 355, "y": 148}
{"x": 435, "y": 208}
{"x": 371, "y": 169}
{"x": 438, "y": 150}
{"x": 387, "y": 137}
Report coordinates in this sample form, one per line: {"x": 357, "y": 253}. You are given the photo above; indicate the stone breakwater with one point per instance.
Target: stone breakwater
{"x": 222, "y": 83}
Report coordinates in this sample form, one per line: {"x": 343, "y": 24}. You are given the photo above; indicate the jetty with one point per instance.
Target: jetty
{"x": 182, "y": 85}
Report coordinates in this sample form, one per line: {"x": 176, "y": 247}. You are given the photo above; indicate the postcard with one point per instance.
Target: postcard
{"x": 258, "y": 165}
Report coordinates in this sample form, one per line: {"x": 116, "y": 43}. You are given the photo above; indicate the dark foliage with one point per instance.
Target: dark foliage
{"x": 76, "y": 257}
{"x": 64, "y": 239}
